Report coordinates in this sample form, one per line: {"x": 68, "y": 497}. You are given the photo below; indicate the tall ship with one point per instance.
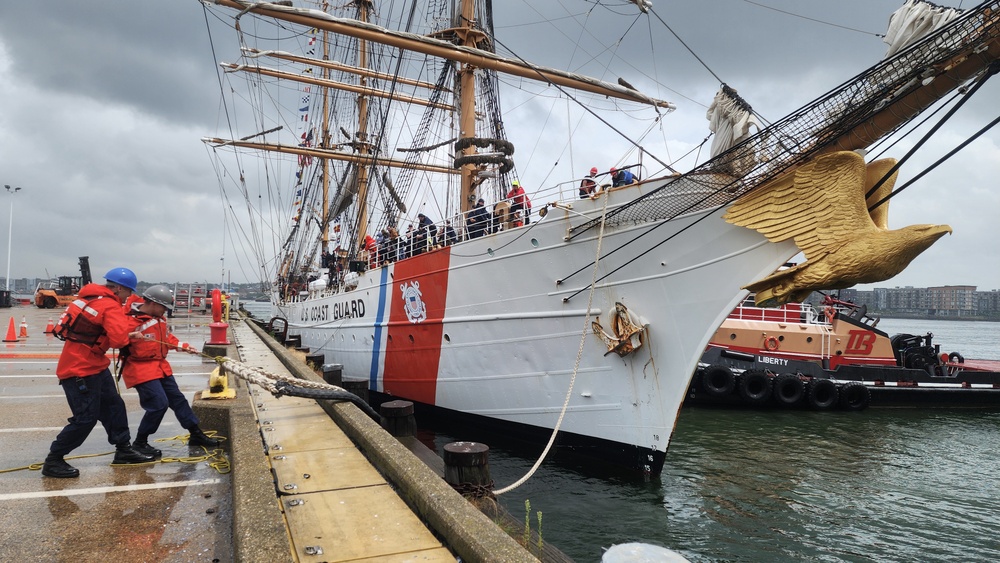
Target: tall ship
{"x": 579, "y": 310}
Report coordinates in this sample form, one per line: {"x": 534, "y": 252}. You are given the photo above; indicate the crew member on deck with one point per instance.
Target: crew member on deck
{"x": 426, "y": 234}
{"x": 519, "y": 201}
{"x": 406, "y": 246}
{"x": 369, "y": 250}
{"x": 447, "y": 235}
{"x": 478, "y": 219}
{"x": 622, "y": 177}
{"x": 588, "y": 186}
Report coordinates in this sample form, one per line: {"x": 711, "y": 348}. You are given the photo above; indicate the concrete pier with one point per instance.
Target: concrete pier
{"x": 166, "y": 511}
{"x": 298, "y": 480}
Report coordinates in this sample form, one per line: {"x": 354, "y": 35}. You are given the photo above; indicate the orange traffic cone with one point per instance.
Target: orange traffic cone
{"x": 50, "y": 328}
{"x": 11, "y": 335}
{"x": 24, "y": 328}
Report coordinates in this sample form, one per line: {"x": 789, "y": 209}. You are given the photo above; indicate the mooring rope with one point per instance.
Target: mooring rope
{"x": 576, "y": 365}
{"x": 280, "y": 384}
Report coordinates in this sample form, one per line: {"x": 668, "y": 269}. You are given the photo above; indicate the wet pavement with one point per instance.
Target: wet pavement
{"x": 177, "y": 509}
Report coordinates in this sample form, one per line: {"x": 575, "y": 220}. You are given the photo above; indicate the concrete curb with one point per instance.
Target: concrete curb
{"x": 259, "y": 531}
{"x": 466, "y": 530}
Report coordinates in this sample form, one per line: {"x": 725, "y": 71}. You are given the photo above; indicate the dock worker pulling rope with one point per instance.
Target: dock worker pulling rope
{"x": 145, "y": 367}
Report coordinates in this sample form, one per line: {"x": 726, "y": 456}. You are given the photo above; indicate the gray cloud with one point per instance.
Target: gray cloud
{"x": 104, "y": 104}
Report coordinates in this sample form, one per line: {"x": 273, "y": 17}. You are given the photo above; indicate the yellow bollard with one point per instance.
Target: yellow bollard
{"x": 218, "y": 385}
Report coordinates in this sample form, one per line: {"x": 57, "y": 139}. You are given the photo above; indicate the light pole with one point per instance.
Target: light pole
{"x": 10, "y": 230}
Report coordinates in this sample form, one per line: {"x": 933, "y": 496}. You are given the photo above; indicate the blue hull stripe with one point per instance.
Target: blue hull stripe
{"x": 379, "y": 323}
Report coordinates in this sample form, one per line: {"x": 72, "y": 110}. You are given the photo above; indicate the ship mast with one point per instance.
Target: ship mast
{"x": 469, "y": 37}
{"x": 465, "y": 44}
{"x": 325, "y": 143}
{"x": 363, "y": 146}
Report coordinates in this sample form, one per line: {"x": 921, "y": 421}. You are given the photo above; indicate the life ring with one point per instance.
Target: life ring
{"x": 718, "y": 381}
{"x": 771, "y": 343}
{"x": 822, "y": 394}
{"x": 956, "y": 357}
{"x": 788, "y": 389}
{"x": 855, "y": 396}
{"x": 829, "y": 312}
{"x": 755, "y": 386}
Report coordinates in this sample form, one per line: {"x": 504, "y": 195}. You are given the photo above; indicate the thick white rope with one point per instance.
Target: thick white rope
{"x": 576, "y": 366}
{"x": 267, "y": 380}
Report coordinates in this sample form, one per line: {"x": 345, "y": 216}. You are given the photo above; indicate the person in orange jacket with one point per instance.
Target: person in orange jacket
{"x": 90, "y": 326}
{"x": 145, "y": 368}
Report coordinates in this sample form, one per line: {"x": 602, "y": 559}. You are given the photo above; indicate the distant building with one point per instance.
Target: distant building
{"x": 949, "y": 301}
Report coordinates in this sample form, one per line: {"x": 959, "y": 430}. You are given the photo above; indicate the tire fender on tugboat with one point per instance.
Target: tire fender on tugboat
{"x": 755, "y": 387}
{"x": 855, "y": 396}
{"x": 788, "y": 389}
{"x": 822, "y": 394}
{"x": 718, "y": 381}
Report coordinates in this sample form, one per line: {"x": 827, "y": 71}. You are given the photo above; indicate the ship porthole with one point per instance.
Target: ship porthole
{"x": 411, "y": 338}
{"x": 732, "y": 336}
{"x": 447, "y": 338}
{"x": 390, "y": 338}
{"x": 534, "y": 242}
{"x": 809, "y": 339}
{"x": 489, "y": 251}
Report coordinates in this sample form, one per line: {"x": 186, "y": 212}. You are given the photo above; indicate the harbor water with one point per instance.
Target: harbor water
{"x": 767, "y": 485}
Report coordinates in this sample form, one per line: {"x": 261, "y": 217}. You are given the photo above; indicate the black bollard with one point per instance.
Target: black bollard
{"x": 316, "y": 360}
{"x": 293, "y": 341}
{"x": 467, "y": 463}
{"x": 333, "y": 374}
{"x": 359, "y": 388}
{"x": 398, "y": 419}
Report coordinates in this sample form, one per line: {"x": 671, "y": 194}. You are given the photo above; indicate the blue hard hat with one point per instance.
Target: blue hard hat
{"x": 122, "y": 276}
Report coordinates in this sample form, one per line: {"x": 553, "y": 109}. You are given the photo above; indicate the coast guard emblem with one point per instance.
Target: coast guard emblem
{"x": 415, "y": 308}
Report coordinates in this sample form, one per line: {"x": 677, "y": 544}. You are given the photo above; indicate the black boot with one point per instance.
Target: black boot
{"x": 56, "y": 466}
{"x": 199, "y": 438}
{"x": 127, "y": 455}
{"x": 143, "y": 447}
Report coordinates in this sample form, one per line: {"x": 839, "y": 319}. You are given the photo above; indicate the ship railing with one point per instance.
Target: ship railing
{"x": 450, "y": 231}
{"x": 456, "y": 228}
{"x": 787, "y": 313}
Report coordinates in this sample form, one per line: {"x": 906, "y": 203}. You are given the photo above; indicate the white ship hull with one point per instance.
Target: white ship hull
{"x": 500, "y": 341}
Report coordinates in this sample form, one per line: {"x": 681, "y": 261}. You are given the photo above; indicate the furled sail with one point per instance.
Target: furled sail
{"x": 913, "y": 21}
{"x": 730, "y": 119}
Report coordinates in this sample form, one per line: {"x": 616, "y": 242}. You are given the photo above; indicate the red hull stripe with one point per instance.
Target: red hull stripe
{"x": 416, "y": 312}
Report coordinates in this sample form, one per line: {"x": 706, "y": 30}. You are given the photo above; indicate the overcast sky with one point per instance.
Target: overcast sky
{"x": 103, "y": 105}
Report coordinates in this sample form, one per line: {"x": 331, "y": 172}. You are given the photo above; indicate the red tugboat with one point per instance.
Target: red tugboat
{"x": 833, "y": 357}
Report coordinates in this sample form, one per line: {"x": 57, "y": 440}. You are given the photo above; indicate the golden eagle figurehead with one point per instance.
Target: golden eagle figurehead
{"x": 822, "y": 207}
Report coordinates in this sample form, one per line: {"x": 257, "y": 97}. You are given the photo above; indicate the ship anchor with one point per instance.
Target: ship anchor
{"x": 628, "y": 332}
